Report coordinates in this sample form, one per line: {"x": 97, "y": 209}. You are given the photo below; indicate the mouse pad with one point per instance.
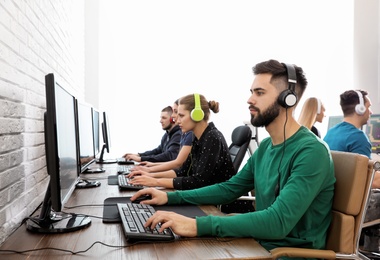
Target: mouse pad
{"x": 111, "y": 213}
{"x": 112, "y": 180}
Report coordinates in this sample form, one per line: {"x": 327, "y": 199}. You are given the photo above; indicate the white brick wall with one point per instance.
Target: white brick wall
{"x": 36, "y": 38}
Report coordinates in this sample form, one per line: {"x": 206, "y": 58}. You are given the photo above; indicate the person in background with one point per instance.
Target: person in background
{"x": 312, "y": 111}
{"x": 347, "y": 136}
{"x": 185, "y": 147}
{"x": 209, "y": 160}
{"x": 169, "y": 146}
{"x": 293, "y": 198}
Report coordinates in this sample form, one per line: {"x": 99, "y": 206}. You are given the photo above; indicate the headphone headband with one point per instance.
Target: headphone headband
{"x": 292, "y": 76}
{"x": 319, "y": 106}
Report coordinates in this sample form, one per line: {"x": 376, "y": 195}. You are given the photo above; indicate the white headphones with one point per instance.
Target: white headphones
{"x": 319, "y": 106}
{"x": 360, "y": 108}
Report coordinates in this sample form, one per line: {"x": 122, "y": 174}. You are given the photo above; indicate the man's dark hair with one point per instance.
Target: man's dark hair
{"x": 279, "y": 72}
{"x": 349, "y": 99}
{"x": 168, "y": 109}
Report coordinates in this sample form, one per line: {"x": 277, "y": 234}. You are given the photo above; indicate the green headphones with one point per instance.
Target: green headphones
{"x": 197, "y": 113}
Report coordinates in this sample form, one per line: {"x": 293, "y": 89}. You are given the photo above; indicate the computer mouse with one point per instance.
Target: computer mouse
{"x": 141, "y": 198}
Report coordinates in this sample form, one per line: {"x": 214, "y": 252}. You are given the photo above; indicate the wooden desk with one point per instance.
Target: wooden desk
{"x": 112, "y": 234}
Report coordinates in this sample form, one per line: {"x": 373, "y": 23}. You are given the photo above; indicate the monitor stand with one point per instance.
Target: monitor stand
{"x": 55, "y": 222}
{"x": 94, "y": 170}
{"x": 58, "y": 223}
{"x": 104, "y": 161}
{"x": 84, "y": 184}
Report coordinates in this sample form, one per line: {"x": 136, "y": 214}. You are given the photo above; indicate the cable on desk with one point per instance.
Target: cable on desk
{"x": 107, "y": 245}
{"x": 87, "y": 205}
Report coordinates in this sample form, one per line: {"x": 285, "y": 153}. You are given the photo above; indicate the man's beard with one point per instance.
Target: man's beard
{"x": 267, "y": 117}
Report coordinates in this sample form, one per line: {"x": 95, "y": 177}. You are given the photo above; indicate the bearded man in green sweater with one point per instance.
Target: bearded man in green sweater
{"x": 292, "y": 173}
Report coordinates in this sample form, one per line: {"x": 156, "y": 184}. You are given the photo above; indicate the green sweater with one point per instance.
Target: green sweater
{"x": 301, "y": 213}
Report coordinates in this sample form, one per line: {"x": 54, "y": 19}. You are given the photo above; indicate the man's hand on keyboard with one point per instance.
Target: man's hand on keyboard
{"x": 181, "y": 225}
{"x": 158, "y": 197}
{"x": 132, "y": 157}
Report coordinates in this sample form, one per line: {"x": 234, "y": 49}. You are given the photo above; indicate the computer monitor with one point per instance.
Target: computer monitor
{"x": 85, "y": 135}
{"x": 62, "y": 163}
{"x": 106, "y": 141}
{"x": 96, "y": 131}
{"x": 372, "y": 129}
{"x": 334, "y": 120}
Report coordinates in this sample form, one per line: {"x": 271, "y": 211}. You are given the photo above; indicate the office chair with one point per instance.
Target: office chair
{"x": 354, "y": 174}
{"x": 240, "y": 137}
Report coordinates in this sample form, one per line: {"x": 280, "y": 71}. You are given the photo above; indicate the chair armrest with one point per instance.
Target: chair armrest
{"x": 302, "y": 252}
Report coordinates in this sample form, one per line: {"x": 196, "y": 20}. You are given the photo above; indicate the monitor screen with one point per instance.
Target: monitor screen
{"x": 372, "y": 129}
{"x": 334, "y": 120}
{"x": 96, "y": 131}
{"x": 85, "y": 135}
{"x": 61, "y": 161}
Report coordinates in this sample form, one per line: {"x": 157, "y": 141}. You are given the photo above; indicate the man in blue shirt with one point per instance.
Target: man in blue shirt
{"x": 347, "y": 136}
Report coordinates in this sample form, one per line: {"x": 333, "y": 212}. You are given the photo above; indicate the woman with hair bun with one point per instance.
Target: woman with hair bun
{"x": 209, "y": 160}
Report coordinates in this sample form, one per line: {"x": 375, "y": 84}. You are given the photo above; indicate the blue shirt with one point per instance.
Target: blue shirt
{"x": 186, "y": 139}
{"x": 347, "y": 138}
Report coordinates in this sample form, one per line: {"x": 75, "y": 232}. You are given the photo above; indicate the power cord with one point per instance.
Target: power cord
{"x": 224, "y": 240}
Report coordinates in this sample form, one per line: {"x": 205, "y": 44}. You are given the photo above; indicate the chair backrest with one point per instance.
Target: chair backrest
{"x": 354, "y": 174}
{"x": 241, "y": 136}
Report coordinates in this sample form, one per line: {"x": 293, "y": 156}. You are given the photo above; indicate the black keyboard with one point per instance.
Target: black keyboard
{"x": 124, "y": 169}
{"x": 133, "y": 217}
{"x": 124, "y": 161}
{"x": 123, "y": 183}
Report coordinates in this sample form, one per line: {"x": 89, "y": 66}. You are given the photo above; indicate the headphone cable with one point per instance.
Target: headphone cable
{"x": 277, "y": 189}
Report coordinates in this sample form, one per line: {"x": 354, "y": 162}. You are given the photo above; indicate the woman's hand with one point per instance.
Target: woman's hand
{"x": 143, "y": 180}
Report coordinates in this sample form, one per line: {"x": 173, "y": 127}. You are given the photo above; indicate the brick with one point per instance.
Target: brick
{"x": 34, "y": 112}
{"x": 11, "y": 176}
{"x": 32, "y": 126}
{"x": 4, "y": 197}
{"x": 11, "y": 142}
{"x": 16, "y": 158}
{"x": 35, "y": 152}
{"x": 10, "y": 91}
{"x": 31, "y": 167}
{"x": 8, "y": 126}
{"x": 33, "y": 139}
{"x": 35, "y": 99}
{"x": 11, "y": 109}
{"x": 16, "y": 189}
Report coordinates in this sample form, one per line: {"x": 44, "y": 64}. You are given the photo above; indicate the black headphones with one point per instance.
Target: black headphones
{"x": 288, "y": 97}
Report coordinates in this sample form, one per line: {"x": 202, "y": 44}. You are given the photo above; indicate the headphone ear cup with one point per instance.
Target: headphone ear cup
{"x": 172, "y": 121}
{"x": 197, "y": 113}
{"x": 360, "y": 109}
{"x": 287, "y": 98}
